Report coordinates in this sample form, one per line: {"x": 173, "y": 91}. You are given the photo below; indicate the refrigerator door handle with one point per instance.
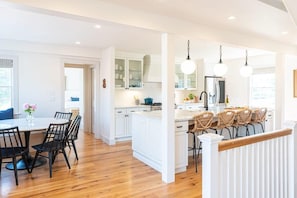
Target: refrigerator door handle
{"x": 217, "y": 90}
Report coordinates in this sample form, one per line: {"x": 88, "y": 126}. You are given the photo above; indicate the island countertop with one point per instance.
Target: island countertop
{"x": 180, "y": 115}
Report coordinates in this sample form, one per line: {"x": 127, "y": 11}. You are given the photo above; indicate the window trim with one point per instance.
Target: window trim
{"x": 15, "y": 80}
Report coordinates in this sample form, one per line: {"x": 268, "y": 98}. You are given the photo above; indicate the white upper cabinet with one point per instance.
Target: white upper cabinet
{"x": 128, "y": 73}
{"x": 185, "y": 81}
{"x": 135, "y": 73}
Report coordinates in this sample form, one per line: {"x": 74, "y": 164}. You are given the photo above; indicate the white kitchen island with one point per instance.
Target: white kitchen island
{"x": 146, "y": 138}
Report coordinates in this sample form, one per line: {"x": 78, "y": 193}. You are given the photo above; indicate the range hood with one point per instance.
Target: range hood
{"x": 152, "y": 68}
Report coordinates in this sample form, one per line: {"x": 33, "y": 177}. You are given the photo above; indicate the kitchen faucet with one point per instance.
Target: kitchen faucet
{"x": 205, "y": 99}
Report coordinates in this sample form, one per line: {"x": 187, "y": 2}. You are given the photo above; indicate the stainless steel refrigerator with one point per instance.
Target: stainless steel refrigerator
{"x": 215, "y": 88}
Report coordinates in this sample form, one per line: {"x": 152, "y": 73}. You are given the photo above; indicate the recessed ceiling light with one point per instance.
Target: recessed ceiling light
{"x": 97, "y": 26}
{"x": 77, "y": 43}
{"x": 231, "y": 17}
{"x": 285, "y": 33}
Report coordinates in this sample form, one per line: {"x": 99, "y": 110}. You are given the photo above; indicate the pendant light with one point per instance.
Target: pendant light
{"x": 246, "y": 70}
{"x": 220, "y": 69}
{"x": 188, "y": 66}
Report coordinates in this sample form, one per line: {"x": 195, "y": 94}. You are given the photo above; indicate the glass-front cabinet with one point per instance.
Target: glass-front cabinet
{"x": 120, "y": 68}
{"x": 128, "y": 73}
{"x": 135, "y": 73}
{"x": 185, "y": 81}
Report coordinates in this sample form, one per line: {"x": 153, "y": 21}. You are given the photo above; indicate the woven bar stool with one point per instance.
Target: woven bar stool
{"x": 243, "y": 119}
{"x": 259, "y": 117}
{"x": 225, "y": 121}
{"x": 202, "y": 122}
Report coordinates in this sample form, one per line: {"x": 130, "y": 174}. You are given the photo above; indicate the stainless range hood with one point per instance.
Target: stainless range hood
{"x": 152, "y": 68}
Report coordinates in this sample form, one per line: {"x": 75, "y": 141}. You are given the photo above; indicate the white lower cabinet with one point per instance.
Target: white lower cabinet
{"x": 181, "y": 142}
{"x": 121, "y": 124}
{"x": 190, "y": 106}
{"x": 123, "y": 121}
{"x": 147, "y": 144}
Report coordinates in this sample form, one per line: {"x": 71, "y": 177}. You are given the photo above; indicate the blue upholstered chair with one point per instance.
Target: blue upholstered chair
{"x": 6, "y": 114}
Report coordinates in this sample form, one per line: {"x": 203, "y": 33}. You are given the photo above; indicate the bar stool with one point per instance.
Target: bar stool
{"x": 243, "y": 119}
{"x": 202, "y": 122}
{"x": 225, "y": 121}
{"x": 259, "y": 117}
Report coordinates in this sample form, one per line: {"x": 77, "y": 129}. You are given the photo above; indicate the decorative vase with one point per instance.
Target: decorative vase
{"x": 30, "y": 118}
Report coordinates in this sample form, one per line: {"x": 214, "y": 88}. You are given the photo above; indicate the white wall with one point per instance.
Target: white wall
{"x": 40, "y": 82}
{"x": 237, "y": 87}
{"x": 41, "y": 73}
{"x": 126, "y": 97}
{"x": 290, "y": 103}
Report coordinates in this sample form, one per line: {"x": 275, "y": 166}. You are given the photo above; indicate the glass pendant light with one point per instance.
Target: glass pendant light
{"x": 188, "y": 66}
{"x": 246, "y": 70}
{"x": 220, "y": 69}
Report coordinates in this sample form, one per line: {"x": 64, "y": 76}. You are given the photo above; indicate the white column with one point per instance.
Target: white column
{"x": 279, "y": 90}
{"x": 168, "y": 135}
{"x": 106, "y": 99}
{"x": 292, "y": 161}
{"x": 210, "y": 164}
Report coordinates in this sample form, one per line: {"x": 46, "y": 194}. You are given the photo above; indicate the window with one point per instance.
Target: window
{"x": 6, "y": 83}
{"x": 262, "y": 90}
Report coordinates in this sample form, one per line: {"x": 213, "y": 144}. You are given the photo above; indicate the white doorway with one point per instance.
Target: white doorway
{"x": 78, "y": 92}
{"x": 74, "y": 91}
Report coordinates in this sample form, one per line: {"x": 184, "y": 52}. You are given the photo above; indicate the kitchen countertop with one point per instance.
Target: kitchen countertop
{"x": 191, "y": 103}
{"x": 180, "y": 115}
{"x": 131, "y": 106}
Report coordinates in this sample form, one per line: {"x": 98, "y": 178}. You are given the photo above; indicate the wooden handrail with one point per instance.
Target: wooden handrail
{"x": 234, "y": 143}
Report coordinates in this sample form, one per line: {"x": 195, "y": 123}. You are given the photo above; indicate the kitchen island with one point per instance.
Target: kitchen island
{"x": 146, "y": 138}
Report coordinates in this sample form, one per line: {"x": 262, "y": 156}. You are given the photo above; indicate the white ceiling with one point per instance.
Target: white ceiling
{"x": 253, "y": 17}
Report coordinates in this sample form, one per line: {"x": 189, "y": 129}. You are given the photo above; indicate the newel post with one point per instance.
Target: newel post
{"x": 210, "y": 164}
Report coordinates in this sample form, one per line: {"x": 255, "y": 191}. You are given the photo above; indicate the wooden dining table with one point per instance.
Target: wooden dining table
{"x": 38, "y": 125}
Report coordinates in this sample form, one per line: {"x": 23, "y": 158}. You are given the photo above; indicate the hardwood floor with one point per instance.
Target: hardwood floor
{"x": 102, "y": 171}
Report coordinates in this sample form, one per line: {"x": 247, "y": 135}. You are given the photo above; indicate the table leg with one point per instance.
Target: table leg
{"x": 20, "y": 163}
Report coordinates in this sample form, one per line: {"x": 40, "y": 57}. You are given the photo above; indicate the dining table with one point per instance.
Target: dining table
{"x": 38, "y": 125}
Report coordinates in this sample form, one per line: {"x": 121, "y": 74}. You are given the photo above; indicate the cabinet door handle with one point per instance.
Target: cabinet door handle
{"x": 132, "y": 111}
{"x": 119, "y": 111}
{"x": 179, "y": 127}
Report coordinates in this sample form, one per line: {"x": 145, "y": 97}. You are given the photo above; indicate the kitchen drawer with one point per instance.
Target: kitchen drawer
{"x": 181, "y": 126}
{"x": 120, "y": 111}
{"x": 144, "y": 109}
{"x": 180, "y": 107}
{"x": 132, "y": 110}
